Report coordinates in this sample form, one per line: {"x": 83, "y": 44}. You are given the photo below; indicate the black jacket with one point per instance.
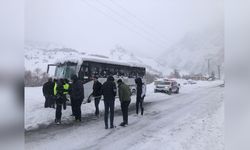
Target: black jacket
{"x": 48, "y": 89}
{"x": 97, "y": 89}
{"x": 76, "y": 90}
{"x": 60, "y": 89}
{"x": 138, "y": 82}
{"x": 109, "y": 89}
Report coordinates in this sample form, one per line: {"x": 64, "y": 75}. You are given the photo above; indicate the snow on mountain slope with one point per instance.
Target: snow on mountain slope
{"x": 152, "y": 66}
{"x": 39, "y": 55}
{"x": 190, "y": 54}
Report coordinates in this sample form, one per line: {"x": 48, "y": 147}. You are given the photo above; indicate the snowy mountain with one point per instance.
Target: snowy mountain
{"x": 152, "y": 66}
{"x": 39, "y": 55}
{"x": 190, "y": 54}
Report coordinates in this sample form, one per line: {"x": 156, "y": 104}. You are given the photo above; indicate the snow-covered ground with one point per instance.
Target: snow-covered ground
{"x": 193, "y": 119}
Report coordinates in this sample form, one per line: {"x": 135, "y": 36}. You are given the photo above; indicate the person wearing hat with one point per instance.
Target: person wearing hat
{"x": 124, "y": 93}
{"x": 97, "y": 94}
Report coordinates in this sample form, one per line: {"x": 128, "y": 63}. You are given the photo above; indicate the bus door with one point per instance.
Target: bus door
{"x": 84, "y": 73}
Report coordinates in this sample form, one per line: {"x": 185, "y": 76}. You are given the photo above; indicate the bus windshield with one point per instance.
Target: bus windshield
{"x": 65, "y": 71}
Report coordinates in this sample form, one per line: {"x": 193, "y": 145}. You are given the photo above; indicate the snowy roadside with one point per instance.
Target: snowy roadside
{"x": 187, "y": 121}
{"x": 200, "y": 128}
{"x": 36, "y": 116}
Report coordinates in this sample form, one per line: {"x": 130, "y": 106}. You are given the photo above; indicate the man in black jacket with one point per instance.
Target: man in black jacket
{"x": 48, "y": 93}
{"x": 76, "y": 92}
{"x": 109, "y": 93}
{"x": 97, "y": 94}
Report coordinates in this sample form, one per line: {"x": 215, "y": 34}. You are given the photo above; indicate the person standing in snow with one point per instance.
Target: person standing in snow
{"x": 66, "y": 91}
{"x": 124, "y": 93}
{"x": 76, "y": 93}
{"x": 58, "y": 92}
{"x": 109, "y": 92}
{"x": 97, "y": 94}
{"x": 48, "y": 93}
{"x": 140, "y": 94}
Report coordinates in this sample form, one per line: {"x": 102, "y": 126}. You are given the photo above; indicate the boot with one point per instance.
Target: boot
{"x": 122, "y": 124}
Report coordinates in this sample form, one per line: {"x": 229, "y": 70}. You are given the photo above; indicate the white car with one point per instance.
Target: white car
{"x": 166, "y": 86}
{"x": 191, "y": 82}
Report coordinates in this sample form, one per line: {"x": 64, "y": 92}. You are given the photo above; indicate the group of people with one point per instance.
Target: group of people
{"x": 55, "y": 94}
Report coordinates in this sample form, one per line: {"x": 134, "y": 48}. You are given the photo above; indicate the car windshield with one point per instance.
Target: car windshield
{"x": 65, "y": 71}
{"x": 162, "y": 83}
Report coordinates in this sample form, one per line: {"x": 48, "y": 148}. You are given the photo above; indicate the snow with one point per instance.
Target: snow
{"x": 89, "y": 57}
{"x": 39, "y": 55}
{"x": 37, "y": 116}
{"x": 190, "y": 54}
{"x": 190, "y": 120}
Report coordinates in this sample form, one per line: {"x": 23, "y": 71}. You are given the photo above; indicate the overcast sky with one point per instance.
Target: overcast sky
{"x": 146, "y": 27}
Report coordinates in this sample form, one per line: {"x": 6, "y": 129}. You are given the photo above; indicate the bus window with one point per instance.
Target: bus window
{"x": 70, "y": 70}
{"x": 116, "y": 72}
{"x": 94, "y": 70}
{"x": 65, "y": 70}
{"x": 102, "y": 72}
{"x": 84, "y": 73}
{"x": 105, "y": 72}
{"x": 81, "y": 74}
{"x": 112, "y": 71}
{"x": 108, "y": 72}
{"x": 127, "y": 72}
{"x": 59, "y": 73}
{"x": 132, "y": 74}
{"x": 121, "y": 72}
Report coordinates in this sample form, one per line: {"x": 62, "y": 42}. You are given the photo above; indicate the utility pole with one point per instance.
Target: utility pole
{"x": 208, "y": 66}
{"x": 218, "y": 71}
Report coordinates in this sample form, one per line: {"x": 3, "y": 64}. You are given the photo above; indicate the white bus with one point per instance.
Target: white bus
{"x": 86, "y": 68}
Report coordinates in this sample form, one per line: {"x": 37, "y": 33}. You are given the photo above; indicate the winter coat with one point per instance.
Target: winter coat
{"x": 144, "y": 89}
{"x": 76, "y": 90}
{"x": 140, "y": 88}
{"x": 109, "y": 89}
{"x": 59, "y": 96}
{"x": 48, "y": 88}
{"x": 66, "y": 88}
{"x": 124, "y": 92}
{"x": 97, "y": 89}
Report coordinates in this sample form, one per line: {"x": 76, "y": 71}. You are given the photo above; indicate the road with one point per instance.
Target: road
{"x": 185, "y": 121}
